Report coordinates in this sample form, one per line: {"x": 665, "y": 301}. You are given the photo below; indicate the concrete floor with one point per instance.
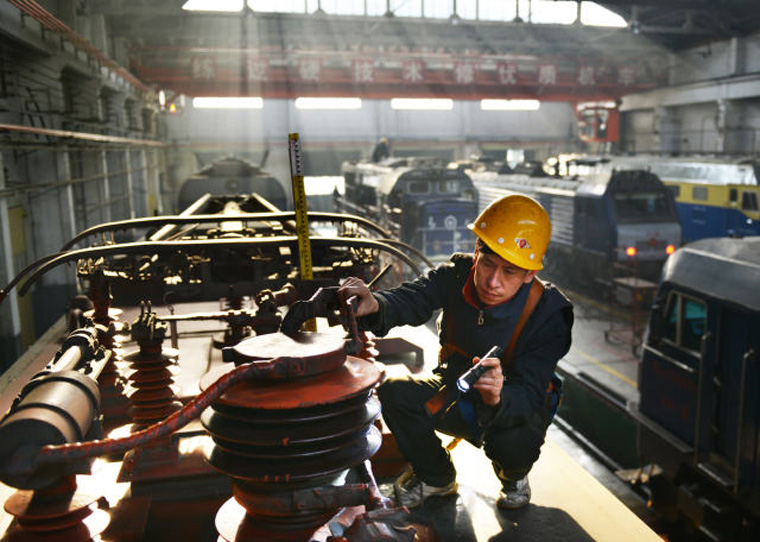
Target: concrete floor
{"x": 575, "y": 496}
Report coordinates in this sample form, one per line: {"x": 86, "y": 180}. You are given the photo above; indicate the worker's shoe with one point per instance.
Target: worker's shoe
{"x": 514, "y": 494}
{"x": 412, "y": 492}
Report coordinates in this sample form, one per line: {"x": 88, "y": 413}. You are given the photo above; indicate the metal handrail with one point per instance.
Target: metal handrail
{"x": 749, "y": 354}
{"x": 45, "y": 264}
{"x": 282, "y": 216}
{"x": 700, "y": 387}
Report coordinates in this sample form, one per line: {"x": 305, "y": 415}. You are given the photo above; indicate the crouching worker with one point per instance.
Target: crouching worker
{"x": 489, "y": 298}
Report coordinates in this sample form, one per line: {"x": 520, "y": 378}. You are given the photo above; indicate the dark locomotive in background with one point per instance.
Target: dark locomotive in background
{"x": 420, "y": 200}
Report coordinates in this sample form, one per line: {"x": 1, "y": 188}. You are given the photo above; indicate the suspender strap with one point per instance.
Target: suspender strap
{"x": 536, "y": 291}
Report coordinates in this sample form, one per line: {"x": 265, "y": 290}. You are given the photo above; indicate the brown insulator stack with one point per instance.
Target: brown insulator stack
{"x": 151, "y": 384}
{"x": 58, "y": 406}
{"x": 62, "y": 511}
{"x": 288, "y": 439}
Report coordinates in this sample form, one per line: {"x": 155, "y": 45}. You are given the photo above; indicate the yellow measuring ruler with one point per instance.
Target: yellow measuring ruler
{"x": 302, "y": 217}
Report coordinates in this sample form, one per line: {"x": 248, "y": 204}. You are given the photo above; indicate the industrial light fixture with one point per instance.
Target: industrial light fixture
{"x": 236, "y": 102}
{"x": 213, "y": 5}
{"x": 422, "y": 104}
{"x": 328, "y": 103}
{"x": 510, "y": 105}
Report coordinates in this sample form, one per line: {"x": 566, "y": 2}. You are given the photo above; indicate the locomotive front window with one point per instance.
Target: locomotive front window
{"x": 417, "y": 187}
{"x": 699, "y": 193}
{"x": 685, "y": 322}
{"x": 694, "y": 323}
{"x": 448, "y": 187}
{"x": 749, "y": 201}
{"x": 641, "y": 206}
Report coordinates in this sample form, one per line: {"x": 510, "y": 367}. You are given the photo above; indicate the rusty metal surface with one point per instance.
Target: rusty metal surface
{"x": 151, "y": 388}
{"x": 295, "y": 470}
{"x": 353, "y": 378}
{"x": 305, "y": 414}
{"x": 167, "y": 460}
{"x": 324, "y": 351}
{"x": 298, "y": 428}
{"x": 282, "y": 451}
{"x": 234, "y": 525}
{"x": 86, "y": 530}
{"x": 39, "y": 514}
{"x": 64, "y": 507}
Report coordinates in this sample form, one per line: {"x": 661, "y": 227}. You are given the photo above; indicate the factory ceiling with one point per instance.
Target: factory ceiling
{"x": 673, "y": 24}
{"x": 286, "y": 55}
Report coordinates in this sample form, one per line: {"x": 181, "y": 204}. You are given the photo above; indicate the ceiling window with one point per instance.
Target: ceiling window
{"x": 535, "y": 11}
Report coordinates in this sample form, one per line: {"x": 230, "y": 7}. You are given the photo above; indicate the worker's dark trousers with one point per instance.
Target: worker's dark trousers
{"x": 512, "y": 449}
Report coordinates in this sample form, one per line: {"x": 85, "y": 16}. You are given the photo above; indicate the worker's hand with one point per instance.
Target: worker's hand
{"x": 353, "y": 286}
{"x": 489, "y": 385}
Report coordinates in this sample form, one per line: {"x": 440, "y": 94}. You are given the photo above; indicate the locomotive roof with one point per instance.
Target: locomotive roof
{"x": 695, "y": 169}
{"x": 724, "y": 268}
{"x": 230, "y": 166}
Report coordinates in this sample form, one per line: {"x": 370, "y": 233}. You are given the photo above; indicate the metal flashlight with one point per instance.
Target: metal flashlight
{"x": 465, "y": 382}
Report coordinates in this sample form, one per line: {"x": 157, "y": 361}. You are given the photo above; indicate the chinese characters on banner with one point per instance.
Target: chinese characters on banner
{"x": 627, "y": 76}
{"x": 363, "y": 70}
{"x": 258, "y": 69}
{"x": 309, "y": 69}
{"x": 547, "y": 75}
{"x": 464, "y": 72}
{"x": 507, "y": 73}
{"x": 203, "y": 67}
{"x": 586, "y": 76}
{"x": 412, "y": 71}
{"x": 415, "y": 71}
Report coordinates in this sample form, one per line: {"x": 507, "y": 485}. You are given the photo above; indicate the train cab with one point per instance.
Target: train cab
{"x": 420, "y": 200}
{"x": 603, "y": 213}
{"x": 233, "y": 176}
{"x": 698, "y": 409}
{"x": 642, "y": 220}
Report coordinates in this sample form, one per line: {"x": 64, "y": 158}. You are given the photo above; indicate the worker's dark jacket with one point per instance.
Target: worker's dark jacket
{"x": 467, "y": 331}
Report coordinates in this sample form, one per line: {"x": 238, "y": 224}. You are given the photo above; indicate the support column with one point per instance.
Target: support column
{"x": 667, "y": 131}
{"x": 728, "y": 124}
{"x": 130, "y": 182}
{"x": 149, "y": 183}
{"x": 63, "y": 169}
{"x": 154, "y": 161}
{"x": 10, "y": 319}
{"x": 106, "y": 188}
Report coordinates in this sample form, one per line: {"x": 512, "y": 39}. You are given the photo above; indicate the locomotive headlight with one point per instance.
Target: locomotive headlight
{"x": 670, "y": 249}
{"x": 630, "y": 251}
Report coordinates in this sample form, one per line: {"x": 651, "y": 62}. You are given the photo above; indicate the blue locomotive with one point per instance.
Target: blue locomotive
{"x": 603, "y": 213}
{"x": 420, "y": 200}
{"x": 716, "y": 197}
{"x": 699, "y": 409}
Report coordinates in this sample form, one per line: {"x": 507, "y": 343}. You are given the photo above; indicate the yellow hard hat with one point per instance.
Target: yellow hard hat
{"x": 517, "y": 228}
